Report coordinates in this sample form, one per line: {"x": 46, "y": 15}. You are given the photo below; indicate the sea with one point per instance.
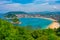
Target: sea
{"x": 33, "y": 22}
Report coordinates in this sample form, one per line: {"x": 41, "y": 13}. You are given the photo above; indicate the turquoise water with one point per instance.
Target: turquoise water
{"x": 35, "y": 22}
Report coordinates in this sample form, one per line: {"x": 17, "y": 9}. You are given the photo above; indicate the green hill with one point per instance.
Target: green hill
{"x": 13, "y": 14}
{"x": 16, "y": 12}
{"x": 11, "y": 32}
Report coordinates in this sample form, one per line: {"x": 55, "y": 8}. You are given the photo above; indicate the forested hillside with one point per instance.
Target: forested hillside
{"x": 11, "y": 32}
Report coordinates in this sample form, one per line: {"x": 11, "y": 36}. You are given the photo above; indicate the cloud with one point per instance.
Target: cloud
{"x": 51, "y": 2}
{"x": 30, "y": 7}
{"x": 6, "y": 6}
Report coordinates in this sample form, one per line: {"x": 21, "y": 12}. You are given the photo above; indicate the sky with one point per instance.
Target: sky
{"x": 29, "y": 5}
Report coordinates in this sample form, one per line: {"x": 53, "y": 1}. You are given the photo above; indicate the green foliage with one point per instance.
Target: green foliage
{"x": 15, "y": 19}
{"x": 58, "y": 31}
{"x": 59, "y": 21}
{"x": 10, "y": 15}
{"x": 11, "y": 32}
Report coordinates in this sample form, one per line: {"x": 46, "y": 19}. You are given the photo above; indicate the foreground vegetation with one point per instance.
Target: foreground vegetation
{"x": 11, "y": 32}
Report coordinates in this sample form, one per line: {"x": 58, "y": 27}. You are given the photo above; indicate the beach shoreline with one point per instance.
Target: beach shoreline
{"x": 53, "y": 25}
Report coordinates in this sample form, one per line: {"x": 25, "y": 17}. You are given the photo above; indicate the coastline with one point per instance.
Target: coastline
{"x": 53, "y": 25}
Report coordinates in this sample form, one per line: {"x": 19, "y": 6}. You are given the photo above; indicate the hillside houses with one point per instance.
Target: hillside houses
{"x": 27, "y": 15}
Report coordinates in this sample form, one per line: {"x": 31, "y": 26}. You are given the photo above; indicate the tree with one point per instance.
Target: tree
{"x": 58, "y": 31}
{"x": 10, "y": 32}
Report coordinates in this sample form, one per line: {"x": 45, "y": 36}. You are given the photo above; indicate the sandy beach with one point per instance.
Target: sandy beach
{"x": 54, "y": 24}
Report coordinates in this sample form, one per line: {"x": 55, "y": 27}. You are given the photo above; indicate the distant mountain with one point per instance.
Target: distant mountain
{"x": 16, "y": 12}
{"x": 32, "y": 13}
{"x": 13, "y": 14}
{"x": 45, "y": 13}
